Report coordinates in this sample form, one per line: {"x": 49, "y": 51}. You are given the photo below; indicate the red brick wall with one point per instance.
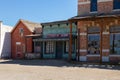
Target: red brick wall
{"x": 93, "y": 59}
{"x": 105, "y": 23}
{"x": 103, "y": 7}
{"x": 83, "y": 38}
{"x": 83, "y": 9}
{"x": 15, "y": 37}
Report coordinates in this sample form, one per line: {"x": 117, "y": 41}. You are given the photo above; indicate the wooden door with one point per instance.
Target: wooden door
{"x": 59, "y": 49}
{"x": 19, "y": 53}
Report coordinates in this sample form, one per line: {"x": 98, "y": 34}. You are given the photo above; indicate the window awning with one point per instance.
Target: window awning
{"x": 52, "y": 39}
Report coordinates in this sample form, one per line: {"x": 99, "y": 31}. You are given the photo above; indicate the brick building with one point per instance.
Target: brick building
{"x": 21, "y": 38}
{"x": 98, "y": 24}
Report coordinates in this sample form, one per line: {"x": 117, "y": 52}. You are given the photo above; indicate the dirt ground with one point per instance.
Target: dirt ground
{"x": 56, "y": 70}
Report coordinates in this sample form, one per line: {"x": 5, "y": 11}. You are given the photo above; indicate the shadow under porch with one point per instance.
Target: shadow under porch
{"x": 55, "y": 48}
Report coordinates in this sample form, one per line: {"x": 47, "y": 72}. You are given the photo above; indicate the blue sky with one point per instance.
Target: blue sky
{"x": 36, "y": 10}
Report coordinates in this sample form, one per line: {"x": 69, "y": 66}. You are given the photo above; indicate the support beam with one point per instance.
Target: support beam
{"x": 70, "y": 42}
{"x": 101, "y": 30}
{"x": 78, "y": 44}
{"x": 25, "y": 46}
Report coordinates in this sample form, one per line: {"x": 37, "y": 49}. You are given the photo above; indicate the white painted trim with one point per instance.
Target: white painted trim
{"x": 83, "y": 50}
{"x": 83, "y": 58}
{"x": 85, "y": 2}
{"x": 114, "y": 55}
{"x": 105, "y": 50}
{"x": 94, "y": 12}
{"x": 83, "y": 34}
{"x": 93, "y": 55}
{"x": 104, "y": 0}
{"x": 18, "y": 43}
{"x": 116, "y": 10}
{"x": 88, "y": 2}
{"x": 106, "y": 33}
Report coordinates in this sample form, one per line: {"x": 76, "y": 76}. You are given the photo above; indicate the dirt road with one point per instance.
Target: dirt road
{"x": 55, "y": 70}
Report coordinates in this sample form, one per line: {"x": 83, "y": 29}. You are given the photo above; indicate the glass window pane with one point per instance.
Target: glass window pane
{"x": 115, "y": 43}
{"x": 116, "y": 4}
{"x": 49, "y": 47}
{"x": 93, "y": 5}
{"x": 93, "y": 44}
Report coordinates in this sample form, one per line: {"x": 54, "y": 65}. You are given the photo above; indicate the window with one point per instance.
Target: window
{"x": 93, "y": 5}
{"x": 66, "y": 46}
{"x": 49, "y": 46}
{"x": 115, "y": 40}
{"x": 21, "y": 31}
{"x": 93, "y": 44}
{"x": 115, "y": 43}
{"x": 37, "y": 47}
{"x": 116, "y": 4}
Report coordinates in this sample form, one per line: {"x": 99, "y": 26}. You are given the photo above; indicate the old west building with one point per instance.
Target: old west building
{"x": 21, "y": 38}
{"x": 98, "y": 24}
{"x": 54, "y": 42}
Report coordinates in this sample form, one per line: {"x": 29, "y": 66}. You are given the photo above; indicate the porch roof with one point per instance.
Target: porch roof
{"x": 52, "y": 39}
{"x": 33, "y": 35}
{"x": 96, "y": 15}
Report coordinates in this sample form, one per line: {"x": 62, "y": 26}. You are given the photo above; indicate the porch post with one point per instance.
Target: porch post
{"x": 78, "y": 44}
{"x": 70, "y": 42}
{"x": 101, "y": 30}
{"x": 25, "y": 47}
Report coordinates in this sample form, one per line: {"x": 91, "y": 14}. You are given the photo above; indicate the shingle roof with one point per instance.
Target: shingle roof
{"x": 31, "y": 25}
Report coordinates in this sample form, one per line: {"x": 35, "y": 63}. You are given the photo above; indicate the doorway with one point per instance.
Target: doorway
{"x": 59, "y": 49}
{"x": 18, "y": 51}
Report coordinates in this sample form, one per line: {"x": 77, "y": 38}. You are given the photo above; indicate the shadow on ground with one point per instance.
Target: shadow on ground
{"x": 60, "y": 63}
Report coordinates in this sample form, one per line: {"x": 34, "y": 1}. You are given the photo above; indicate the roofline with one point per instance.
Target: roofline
{"x": 91, "y": 17}
{"x": 17, "y": 24}
{"x": 55, "y": 22}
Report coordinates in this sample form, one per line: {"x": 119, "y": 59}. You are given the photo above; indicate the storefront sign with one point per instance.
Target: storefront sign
{"x": 57, "y": 35}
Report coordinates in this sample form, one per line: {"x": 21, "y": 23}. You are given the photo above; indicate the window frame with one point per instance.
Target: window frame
{"x": 92, "y": 5}
{"x": 93, "y": 33}
{"x": 66, "y": 46}
{"x": 37, "y": 45}
{"x": 73, "y": 46}
{"x": 49, "y": 47}
{"x": 116, "y": 5}
{"x": 111, "y": 33}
